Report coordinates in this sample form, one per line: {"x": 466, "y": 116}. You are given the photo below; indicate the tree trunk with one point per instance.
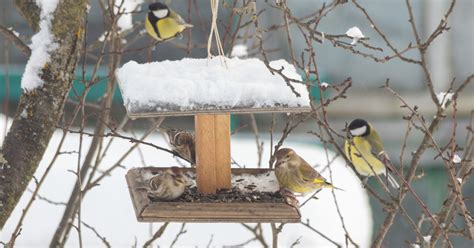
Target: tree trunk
{"x": 40, "y": 109}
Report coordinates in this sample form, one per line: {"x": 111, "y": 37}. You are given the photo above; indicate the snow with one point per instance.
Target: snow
{"x": 239, "y": 50}
{"x": 456, "y": 159}
{"x": 427, "y": 238}
{"x": 125, "y": 21}
{"x": 264, "y": 182}
{"x": 42, "y": 44}
{"x": 14, "y": 32}
{"x": 102, "y": 37}
{"x": 444, "y": 98}
{"x": 459, "y": 180}
{"x": 109, "y": 210}
{"x": 324, "y": 85}
{"x": 355, "y": 34}
{"x": 191, "y": 84}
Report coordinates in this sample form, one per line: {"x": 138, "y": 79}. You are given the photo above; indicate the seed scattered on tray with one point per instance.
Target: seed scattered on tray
{"x": 228, "y": 195}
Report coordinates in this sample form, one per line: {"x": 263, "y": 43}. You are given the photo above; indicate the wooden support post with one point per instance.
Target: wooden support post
{"x": 222, "y": 134}
{"x": 212, "y": 152}
{"x": 205, "y": 153}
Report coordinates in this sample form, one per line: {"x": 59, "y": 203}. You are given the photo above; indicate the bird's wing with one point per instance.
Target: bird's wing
{"x": 375, "y": 141}
{"x": 179, "y": 19}
{"x": 309, "y": 174}
{"x": 377, "y": 148}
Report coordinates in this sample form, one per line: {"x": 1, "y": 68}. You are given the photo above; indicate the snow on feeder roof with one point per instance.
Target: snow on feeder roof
{"x": 191, "y": 86}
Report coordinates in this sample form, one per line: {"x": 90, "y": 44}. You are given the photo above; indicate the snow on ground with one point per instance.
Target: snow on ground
{"x": 355, "y": 34}
{"x": 109, "y": 209}
{"x": 200, "y": 83}
{"x": 42, "y": 44}
{"x": 125, "y": 21}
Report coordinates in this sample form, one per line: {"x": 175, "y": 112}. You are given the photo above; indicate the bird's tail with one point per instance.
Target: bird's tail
{"x": 187, "y": 25}
{"x": 329, "y": 185}
{"x": 392, "y": 181}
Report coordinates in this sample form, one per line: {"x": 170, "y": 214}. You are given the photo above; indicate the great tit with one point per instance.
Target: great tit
{"x": 363, "y": 147}
{"x": 163, "y": 23}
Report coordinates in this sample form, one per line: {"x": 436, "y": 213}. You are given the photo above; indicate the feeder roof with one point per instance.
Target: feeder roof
{"x": 192, "y": 86}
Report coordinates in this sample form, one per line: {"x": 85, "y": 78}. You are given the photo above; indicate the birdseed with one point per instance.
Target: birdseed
{"x": 191, "y": 194}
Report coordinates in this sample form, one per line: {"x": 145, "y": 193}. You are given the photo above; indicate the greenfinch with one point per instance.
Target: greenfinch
{"x": 296, "y": 175}
{"x": 364, "y": 147}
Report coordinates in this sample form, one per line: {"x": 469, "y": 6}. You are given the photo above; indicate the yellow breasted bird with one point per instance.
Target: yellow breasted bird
{"x": 363, "y": 147}
{"x": 295, "y": 174}
{"x": 163, "y": 23}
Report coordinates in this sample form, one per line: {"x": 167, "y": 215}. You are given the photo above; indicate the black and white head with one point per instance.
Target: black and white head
{"x": 359, "y": 127}
{"x": 159, "y": 10}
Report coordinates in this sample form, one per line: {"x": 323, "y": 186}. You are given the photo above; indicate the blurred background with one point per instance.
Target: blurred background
{"x": 450, "y": 56}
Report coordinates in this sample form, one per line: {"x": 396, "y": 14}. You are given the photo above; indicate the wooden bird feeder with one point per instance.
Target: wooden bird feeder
{"x": 212, "y": 130}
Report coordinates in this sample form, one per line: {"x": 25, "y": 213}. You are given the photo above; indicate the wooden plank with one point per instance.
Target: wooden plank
{"x": 205, "y": 153}
{"x": 149, "y": 113}
{"x": 139, "y": 197}
{"x": 222, "y": 140}
{"x": 200, "y": 212}
{"x": 226, "y": 220}
{"x": 221, "y": 212}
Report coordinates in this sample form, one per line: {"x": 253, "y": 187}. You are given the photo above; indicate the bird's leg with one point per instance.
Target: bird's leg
{"x": 290, "y": 197}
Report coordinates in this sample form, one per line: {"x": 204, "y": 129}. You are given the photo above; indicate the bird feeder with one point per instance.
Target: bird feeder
{"x": 210, "y": 91}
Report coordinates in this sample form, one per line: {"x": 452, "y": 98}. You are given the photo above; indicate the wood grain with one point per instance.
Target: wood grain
{"x": 199, "y": 212}
{"x": 205, "y": 153}
{"x": 222, "y": 140}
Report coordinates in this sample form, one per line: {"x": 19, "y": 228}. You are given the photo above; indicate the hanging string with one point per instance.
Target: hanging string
{"x": 215, "y": 32}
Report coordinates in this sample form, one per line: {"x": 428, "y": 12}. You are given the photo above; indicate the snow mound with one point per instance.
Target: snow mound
{"x": 205, "y": 84}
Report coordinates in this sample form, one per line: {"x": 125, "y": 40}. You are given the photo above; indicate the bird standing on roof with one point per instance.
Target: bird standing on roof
{"x": 183, "y": 143}
{"x": 163, "y": 23}
{"x": 168, "y": 185}
{"x": 296, "y": 175}
{"x": 363, "y": 147}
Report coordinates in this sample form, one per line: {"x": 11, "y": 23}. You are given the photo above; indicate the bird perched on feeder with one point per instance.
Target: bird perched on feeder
{"x": 182, "y": 143}
{"x": 364, "y": 147}
{"x": 163, "y": 23}
{"x": 168, "y": 185}
{"x": 296, "y": 175}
